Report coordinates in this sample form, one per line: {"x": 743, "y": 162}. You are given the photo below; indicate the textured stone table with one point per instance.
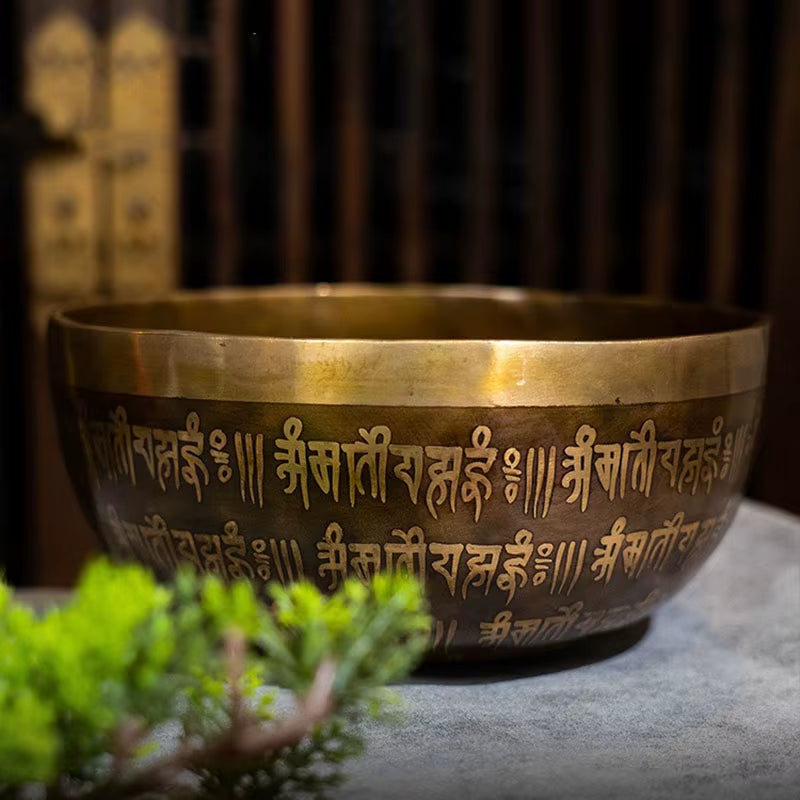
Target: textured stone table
{"x": 703, "y": 703}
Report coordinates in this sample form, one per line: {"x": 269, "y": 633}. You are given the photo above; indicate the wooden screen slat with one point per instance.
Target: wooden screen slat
{"x": 599, "y": 111}
{"x": 414, "y": 245}
{"x": 726, "y": 153}
{"x": 195, "y": 47}
{"x": 293, "y": 74}
{"x": 224, "y": 110}
{"x": 353, "y": 155}
{"x": 541, "y": 36}
{"x": 483, "y": 29}
{"x": 660, "y": 221}
{"x": 182, "y": 20}
{"x": 776, "y": 476}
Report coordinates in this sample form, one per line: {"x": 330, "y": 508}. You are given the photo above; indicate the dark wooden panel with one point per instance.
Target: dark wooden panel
{"x": 777, "y": 469}
{"x": 293, "y": 75}
{"x": 353, "y": 138}
{"x": 598, "y": 165}
{"x": 483, "y": 32}
{"x": 224, "y": 114}
{"x": 412, "y": 180}
{"x": 541, "y": 34}
{"x": 726, "y": 154}
{"x": 16, "y": 560}
{"x": 660, "y": 222}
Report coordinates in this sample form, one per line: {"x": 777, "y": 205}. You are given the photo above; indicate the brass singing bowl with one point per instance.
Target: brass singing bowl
{"x": 549, "y": 466}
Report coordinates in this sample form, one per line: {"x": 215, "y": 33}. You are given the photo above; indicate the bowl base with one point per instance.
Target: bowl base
{"x": 482, "y": 664}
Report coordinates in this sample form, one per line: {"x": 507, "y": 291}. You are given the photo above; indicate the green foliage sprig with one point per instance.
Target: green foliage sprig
{"x": 84, "y": 686}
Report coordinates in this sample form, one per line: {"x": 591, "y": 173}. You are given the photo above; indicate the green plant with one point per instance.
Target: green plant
{"x": 84, "y": 687}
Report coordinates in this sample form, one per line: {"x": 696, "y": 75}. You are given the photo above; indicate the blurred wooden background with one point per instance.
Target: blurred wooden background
{"x": 621, "y": 146}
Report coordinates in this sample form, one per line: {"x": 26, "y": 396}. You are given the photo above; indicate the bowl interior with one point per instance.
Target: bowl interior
{"x": 391, "y": 314}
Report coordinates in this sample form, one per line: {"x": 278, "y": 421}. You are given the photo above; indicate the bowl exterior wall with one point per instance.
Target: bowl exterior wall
{"x": 528, "y": 526}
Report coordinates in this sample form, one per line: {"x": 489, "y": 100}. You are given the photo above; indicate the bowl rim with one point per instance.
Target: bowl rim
{"x": 748, "y": 320}
{"x": 426, "y": 372}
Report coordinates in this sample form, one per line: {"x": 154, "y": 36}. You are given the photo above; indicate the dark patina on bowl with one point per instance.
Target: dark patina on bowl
{"x": 549, "y": 466}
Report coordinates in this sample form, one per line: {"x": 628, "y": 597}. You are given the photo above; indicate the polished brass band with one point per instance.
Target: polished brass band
{"x": 406, "y": 372}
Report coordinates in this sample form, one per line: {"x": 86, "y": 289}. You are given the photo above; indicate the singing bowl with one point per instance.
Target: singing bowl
{"x": 549, "y": 466}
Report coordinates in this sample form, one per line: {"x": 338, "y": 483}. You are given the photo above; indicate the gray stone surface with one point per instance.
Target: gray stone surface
{"x": 704, "y": 703}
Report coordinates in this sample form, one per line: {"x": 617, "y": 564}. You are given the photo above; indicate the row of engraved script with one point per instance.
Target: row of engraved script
{"x": 506, "y": 629}
{"x": 436, "y": 475}
{"x": 526, "y": 562}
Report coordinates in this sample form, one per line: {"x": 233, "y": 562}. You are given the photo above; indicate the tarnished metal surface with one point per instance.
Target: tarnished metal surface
{"x": 543, "y": 468}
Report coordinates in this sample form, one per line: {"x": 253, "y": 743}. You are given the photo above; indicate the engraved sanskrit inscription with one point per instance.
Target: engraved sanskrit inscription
{"x": 528, "y": 562}
{"x": 438, "y": 478}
